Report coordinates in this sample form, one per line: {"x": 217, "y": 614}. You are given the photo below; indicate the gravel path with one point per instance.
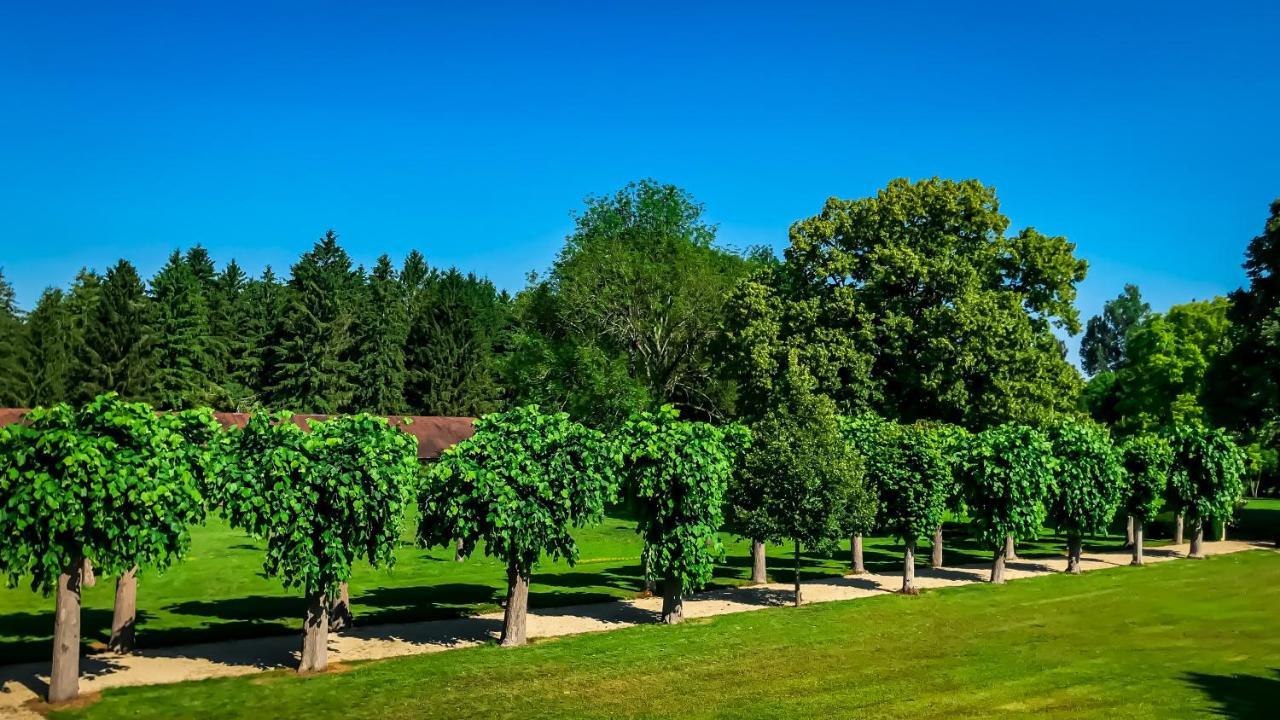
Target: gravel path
{"x": 22, "y": 685}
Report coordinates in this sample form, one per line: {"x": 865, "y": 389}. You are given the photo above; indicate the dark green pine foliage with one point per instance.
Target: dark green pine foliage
{"x": 14, "y": 383}
{"x": 454, "y": 334}
{"x": 82, "y": 308}
{"x": 263, "y": 304}
{"x": 383, "y": 329}
{"x": 52, "y": 344}
{"x": 118, "y": 338}
{"x": 185, "y": 353}
{"x": 228, "y": 341}
{"x": 312, "y": 348}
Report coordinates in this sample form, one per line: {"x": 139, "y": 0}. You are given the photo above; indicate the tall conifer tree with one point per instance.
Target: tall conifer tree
{"x": 186, "y": 359}
{"x": 14, "y": 382}
{"x": 118, "y": 339}
{"x": 51, "y": 350}
{"x": 383, "y": 329}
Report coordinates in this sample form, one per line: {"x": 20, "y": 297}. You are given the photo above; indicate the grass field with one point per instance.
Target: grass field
{"x": 1177, "y": 639}
{"x": 219, "y": 592}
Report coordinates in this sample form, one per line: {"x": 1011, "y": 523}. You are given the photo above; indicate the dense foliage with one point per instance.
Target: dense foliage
{"x": 1206, "y": 473}
{"x": 1104, "y": 345}
{"x": 1089, "y": 478}
{"x": 320, "y": 499}
{"x": 679, "y": 471}
{"x": 1146, "y": 459}
{"x": 909, "y": 469}
{"x": 1008, "y": 474}
{"x": 112, "y": 482}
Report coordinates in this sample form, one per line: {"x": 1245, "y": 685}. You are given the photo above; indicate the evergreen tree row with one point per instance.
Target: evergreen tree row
{"x": 330, "y": 338}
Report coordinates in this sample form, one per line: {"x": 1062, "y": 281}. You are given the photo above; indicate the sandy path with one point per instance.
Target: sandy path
{"x": 22, "y": 684}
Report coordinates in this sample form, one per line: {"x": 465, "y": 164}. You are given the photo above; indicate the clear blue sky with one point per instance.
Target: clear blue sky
{"x": 1146, "y": 134}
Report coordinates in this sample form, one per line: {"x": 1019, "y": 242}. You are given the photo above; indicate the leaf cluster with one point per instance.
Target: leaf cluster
{"x": 1090, "y": 478}
{"x": 1008, "y": 472}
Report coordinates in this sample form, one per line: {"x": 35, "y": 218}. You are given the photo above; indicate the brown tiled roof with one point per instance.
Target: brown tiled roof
{"x": 434, "y": 433}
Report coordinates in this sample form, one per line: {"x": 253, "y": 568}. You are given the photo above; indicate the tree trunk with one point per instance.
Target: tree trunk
{"x": 1137, "y": 542}
{"x": 1223, "y": 536}
{"x": 64, "y": 676}
{"x": 458, "y": 555}
{"x": 997, "y": 567}
{"x": 672, "y": 601}
{"x": 125, "y": 616}
{"x": 759, "y": 574}
{"x": 1128, "y": 533}
{"x": 799, "y": 595}
{"x": 315, "y": 635}
{"x": 1073, "y": 554}
{"x": 340, "y": 617}
{"x": 909, "y": 569}
{"x": 935, "y": 558}
{"x": 1197, "y": 542}
{"x": 515, "y": 618}
{"x": 87, "y": 578}
{"x": 856, "y": 544}
{"x": 1177, "y": 529}
{"x": 1010, "y": 548}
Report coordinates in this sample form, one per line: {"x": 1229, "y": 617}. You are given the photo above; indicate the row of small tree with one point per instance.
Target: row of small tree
{"x": 119, "y": 485}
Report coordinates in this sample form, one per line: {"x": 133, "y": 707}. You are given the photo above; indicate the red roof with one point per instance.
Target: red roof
{"x": 434, "y": 433}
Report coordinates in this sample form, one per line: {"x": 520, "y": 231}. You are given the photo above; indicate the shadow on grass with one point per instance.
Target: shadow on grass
{"x": 1240, "y": 697}
{"x": 34, "y": 633}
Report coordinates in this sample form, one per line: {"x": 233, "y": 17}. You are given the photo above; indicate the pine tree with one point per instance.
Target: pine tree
{"x": 227, "y": 315}
{"x": 82, "y": 310}
{"x": 118, "y": 337}
{"x": 52, "y": 349}
{"x": 313, "y": 369}
{"x": 383, "y": 330}
{"x": 14, "y": 382}
{"x": 251, "y": 370}
{"x": 451, "y": 353}
{"x": 185, "y": 358}
{"x": 201, "y": 265}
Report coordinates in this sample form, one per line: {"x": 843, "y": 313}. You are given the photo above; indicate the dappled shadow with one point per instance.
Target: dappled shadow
{"x": 444, "y": 633}
{"x": 33, "y": 632}
{"x": 266, "y": 608}
{"x": 849, "y": 581}
{"x": 613, "y": 613}
{"x": 757, "y": 595}
{"x": 944, "y": 573}
{"x": 1026, "y": 565}
{"x": 1240, "y": 697}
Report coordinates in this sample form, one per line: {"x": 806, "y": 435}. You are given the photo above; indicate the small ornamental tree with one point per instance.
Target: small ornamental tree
{"x": 679, "y": 471}
{"x": 185, "y": 446}
{"x": 1089, "y": 482}
{"x": 106, "y": 482}
{"x": 1146, "y": 459}
{"x": 907, "y": 464}
{"x": 861, "y": 513}
{"x": 1008, "y": 473}
{"x": 805, "y": 471}
{"x": 320, "y": 500}
{"x": 521, "y": 484}
{"x": 1205, "y": 477}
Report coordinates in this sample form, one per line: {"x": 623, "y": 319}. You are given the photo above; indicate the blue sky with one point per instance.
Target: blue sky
{"x": 1145, "y": 134}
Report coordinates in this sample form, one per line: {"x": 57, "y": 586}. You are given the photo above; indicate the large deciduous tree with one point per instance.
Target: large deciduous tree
{"x": 1008, "y": 474}
{"x": 321, "y": 500}
{"x": 917, "y": 304}
{"x": 110, "y": 482}
{"x": 1088, "y": 482}
{"x": 627, "y": 315}
{"x": 1146, "y": 458}
{"x": 679, "y": 471}
{"x": 520, "y": 485}
{"x": 799, "y": 477}
{"x": 1205, "y": 478}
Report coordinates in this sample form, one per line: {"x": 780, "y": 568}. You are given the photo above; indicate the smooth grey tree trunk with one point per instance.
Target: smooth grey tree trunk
{"x": 935, "y": 557}
{"x": 1128, "y": 533}
{"x": 340, "y": 617}
{"x": 315, "y": 635}
{"x": 1137, "y": 542}
{"x": 759, "y": 570}
{"x": 1073, "y": 554}
{"x": 672, "y": 601}
{"x": 87, "y": 578}
{"x": 1010, "y": 548}
{"x": 458, "y": 554}
{"x": 856, "y": 546}
{"x": 64, "y": 675}
{"x": 1197, "y": 542}
{"x": 909, "y": 570}
{"x": 997, "y": 568}
{"x": 799, "y": 594}
{"x": 1178, "y": 525}
{"x": 515, "y": 618}
{"x": 124, "y": 618}
{"x": 1223, "y": 536}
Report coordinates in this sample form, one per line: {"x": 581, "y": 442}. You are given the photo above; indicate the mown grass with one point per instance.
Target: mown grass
{"x": 219, "y": 591}
{"x": 1177, "y": 639}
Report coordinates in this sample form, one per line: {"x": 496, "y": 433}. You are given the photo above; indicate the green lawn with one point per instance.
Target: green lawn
{"x": 219, "y": 591}
{"x": 1177, "y": 639}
